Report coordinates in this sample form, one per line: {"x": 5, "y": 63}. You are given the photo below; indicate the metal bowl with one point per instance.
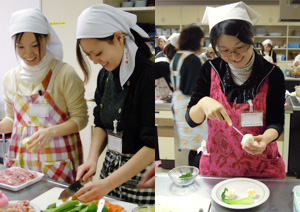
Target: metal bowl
{"x": 175, "y": 174}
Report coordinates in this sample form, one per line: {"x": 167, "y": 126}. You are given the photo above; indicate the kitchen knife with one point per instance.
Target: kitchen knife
{"x": 71, "y": 190}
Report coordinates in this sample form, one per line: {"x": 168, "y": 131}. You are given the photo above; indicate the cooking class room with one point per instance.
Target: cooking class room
{"x": 77, "y": 109}
{"x": 227, "y": 105}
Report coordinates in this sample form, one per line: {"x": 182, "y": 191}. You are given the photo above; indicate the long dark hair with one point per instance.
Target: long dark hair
{"x": 190, "y": 37}
{"x": 139, "y": 41}
{"x": 38, "y": 38}
{"x": 169, "y": 50}
{"x": 243, "y": 30}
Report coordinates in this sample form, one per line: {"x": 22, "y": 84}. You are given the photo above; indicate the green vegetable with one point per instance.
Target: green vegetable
{"x": 78, "y": 208}
{"x": 244, "y": 201}
{"x": 53, "y": 205}
{"x": 105, "y": 208}
{"x": 186, "y": 175}
{"x": 67, "y": 205}
{"x": 92, "y": 207}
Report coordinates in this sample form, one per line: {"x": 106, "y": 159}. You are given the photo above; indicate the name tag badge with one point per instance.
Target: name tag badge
{"x": 114, "y": 141}
{"x": 254, "y": 119}
{"x": 39, "y": 110}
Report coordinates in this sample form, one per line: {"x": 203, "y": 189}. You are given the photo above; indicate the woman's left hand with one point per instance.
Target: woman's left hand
{"x": 39, "y": 140}
{"x": 258, "y": 147}
{"x": 93, "y": 191}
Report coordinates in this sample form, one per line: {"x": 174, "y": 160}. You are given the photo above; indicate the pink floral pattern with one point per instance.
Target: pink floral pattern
{"x": 226, "y": 156}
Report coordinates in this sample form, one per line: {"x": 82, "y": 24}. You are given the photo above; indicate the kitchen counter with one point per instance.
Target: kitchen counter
{"x": 31, "y": 191}
{"x": 281, "y": 195}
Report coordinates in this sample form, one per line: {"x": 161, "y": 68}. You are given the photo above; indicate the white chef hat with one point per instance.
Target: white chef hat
{"x": 101, "y": 21}
{"x": 173, "y": 39}
{"x": 267, "y": 41}
{"x": 33, "y": 20}
{"x": 238, "y": 11}
{"x": 162, "y": 37}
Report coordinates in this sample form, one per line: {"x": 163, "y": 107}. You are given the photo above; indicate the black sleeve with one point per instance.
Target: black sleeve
{"x": 275, "y": 101}
{"x": 201, "y": 89}
{"x": 189, "y": 71}
{"x": 274, "y": 57}
{"x": 147, "y": 106}
{"x": 97, "y": 96}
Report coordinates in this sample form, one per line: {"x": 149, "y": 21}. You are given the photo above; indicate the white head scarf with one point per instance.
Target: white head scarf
{"x": 238, "y": 10}
{"x": 101, "y": 21}
{"x": 33, "y": 20}
{"x": 173, "y": 39}
{"x": 267, "y": 41}
{"x": 162, "y": 37}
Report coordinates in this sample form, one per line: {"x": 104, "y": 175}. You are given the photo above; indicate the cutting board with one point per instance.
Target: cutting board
{"x": 52, "y": 195}
{"x": 181, "y": 204}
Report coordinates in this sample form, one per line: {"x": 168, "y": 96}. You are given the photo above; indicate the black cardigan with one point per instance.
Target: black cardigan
{"x": 261, "y": 69}
{"x": 137, "y": 119}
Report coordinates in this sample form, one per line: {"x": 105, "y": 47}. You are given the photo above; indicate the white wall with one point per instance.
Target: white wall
{"x": 7, "y": 54}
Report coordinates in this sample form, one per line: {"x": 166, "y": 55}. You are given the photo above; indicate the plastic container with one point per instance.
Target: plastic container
{"x": 140, "y": 3}
{"x": 293, "y": 45}
{"x": 175, "y": 174}
{"x": 127, "y": 4}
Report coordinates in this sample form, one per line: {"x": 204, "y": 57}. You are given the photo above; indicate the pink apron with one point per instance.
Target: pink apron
{"x": 61, "y": 157}
{"x": 226, "y": 156}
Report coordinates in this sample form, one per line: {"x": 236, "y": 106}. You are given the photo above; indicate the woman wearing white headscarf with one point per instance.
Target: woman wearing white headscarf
{"x": 44, "y": 101}
{"x": 124, "y": 120}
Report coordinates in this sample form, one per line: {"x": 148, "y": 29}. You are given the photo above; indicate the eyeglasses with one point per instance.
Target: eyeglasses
{"x": 239, "y": 50}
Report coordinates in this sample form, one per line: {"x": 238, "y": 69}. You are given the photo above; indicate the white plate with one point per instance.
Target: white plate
{"x": 24, "y": 185}
{"x": 36, "y": 208}
{"x": 241, "y": 186}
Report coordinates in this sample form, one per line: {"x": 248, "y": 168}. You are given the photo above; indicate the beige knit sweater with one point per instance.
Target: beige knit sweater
{"x": 68, "y": 93}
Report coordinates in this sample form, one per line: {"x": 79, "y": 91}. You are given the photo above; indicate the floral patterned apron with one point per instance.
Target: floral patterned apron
{"x": 225, "y": 154}
{"x": 189, "y": 138}
{"x": 61, "y": 157}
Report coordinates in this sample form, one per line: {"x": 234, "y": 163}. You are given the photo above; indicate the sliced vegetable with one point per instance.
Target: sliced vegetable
{"x": 113, "y": 207}
{"x": 67, "y": 205}
{"x": 105, "y": 209}
{"x": 78, "y": 208}
{"x": 244, "y": 201}
{"x": 186, "y": 175}
{"x": 53, "y": 205}
{"x": 92, "y": 207}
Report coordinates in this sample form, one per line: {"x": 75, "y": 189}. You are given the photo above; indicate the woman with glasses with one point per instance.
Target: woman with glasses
{"x": 238, "y": 89}
{"x": 185, "y": 67}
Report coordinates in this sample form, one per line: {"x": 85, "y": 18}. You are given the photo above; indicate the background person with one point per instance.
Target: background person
{"x": 123, "y": 116}
{"x": 162, "y": 40}
{"x": 209, "y": 54}
{"x": 185, "y": 67}
{"x": 44, "y": 100}
{"x": 229, "y": 89}
{"x": 267, "y": 51}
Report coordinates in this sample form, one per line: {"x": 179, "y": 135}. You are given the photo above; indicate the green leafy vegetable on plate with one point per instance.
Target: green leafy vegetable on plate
{"x": 244, "y": 201}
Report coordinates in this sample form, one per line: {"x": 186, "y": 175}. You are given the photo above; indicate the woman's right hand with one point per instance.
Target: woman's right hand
{"x": 214, "y": 110}
{"x": 86, "y": 171}
{"x": 296, "y": 63}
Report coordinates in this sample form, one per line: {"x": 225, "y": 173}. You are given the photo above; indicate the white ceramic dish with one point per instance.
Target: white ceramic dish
{"x": 35, "y": 207}
{"x": 241, "y": 185}
{"x": 24, "y": 185}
